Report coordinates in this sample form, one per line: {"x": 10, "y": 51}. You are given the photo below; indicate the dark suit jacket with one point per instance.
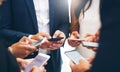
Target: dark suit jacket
{"x": 18, "y": 18}
{"x": 107, "y": 58}
{"x": 7, "y": 62}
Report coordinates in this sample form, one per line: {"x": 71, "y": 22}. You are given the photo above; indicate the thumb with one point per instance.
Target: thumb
{"x": 72, "y": 64}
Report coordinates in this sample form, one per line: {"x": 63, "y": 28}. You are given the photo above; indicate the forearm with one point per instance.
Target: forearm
{"x": 74, "y": 20}
{"x": 11, "y": 35}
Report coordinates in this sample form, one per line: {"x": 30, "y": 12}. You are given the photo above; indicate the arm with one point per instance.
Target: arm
{"x": 74, "y": 20}
{"x": 6, "y": 24}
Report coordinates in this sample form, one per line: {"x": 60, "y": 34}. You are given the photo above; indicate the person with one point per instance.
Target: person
{"x": 8, "y": 62}
{"x": 27, "y": 18}
{"x": 84, "y": 20}
{"x": 106, "y": 59}
{"x": 86, "y": 27}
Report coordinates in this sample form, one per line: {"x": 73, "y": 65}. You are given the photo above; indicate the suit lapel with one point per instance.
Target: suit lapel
{"x": 32, "y": 13}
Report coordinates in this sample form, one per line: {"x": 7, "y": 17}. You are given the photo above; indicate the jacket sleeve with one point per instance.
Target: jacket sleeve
{"x": 5, "y": 24}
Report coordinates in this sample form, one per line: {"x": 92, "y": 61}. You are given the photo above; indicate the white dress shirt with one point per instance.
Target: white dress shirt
{"x": 42, "y": 14}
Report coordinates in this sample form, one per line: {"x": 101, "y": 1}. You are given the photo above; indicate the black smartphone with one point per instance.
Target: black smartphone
{"x": 90, "y": 44}
{"x": 55, "y": 39}
{"x": 74, "y": 55}
{"x": 38, "y": 61}
{"x": 39, "y": 42}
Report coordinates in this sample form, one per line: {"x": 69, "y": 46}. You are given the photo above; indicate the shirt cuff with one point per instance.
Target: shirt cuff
{"x": 30, "y": 36}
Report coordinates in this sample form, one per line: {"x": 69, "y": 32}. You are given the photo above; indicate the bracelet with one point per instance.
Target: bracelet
{"x": 10, "y": 49}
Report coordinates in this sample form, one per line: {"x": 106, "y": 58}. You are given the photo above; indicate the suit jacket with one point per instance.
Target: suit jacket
{"x": 8, "y": 62}
{"x": 107, "y": 58}
{"x": 18, "y": 19}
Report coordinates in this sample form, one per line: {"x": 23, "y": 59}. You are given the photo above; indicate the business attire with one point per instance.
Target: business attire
{"x": 18, "y": 19}
{"x": 8, "y": 62}
{"x": 107, "y": 57}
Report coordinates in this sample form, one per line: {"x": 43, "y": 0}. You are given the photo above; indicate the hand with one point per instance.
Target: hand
{"x": 42, "y": 35}
{"x": 22, "y": 48}
{"x": 90, "y": 60}
{"x": 81, "y": 67}
{"x": 23, "y": 62}
{"x": 93, "y": 49}
{"x": 56, "y": 44}
{"x": 92, "y": 38}
{"x": 36, "y": 69}
{"x": 74, "y": 43}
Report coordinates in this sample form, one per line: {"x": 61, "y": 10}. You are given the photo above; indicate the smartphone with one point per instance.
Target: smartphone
{"x": 39, "y": 42}
{"x": 80, "y": 40}
{"x": 74, "y": 55}
{"x": 55, "y": 39}
{"x": 38, "y": 61}
{"x": 90, "y": 44}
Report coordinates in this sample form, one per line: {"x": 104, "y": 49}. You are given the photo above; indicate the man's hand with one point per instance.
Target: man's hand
{"x": 56, "y": 44}
{"x": 22, "y": 48}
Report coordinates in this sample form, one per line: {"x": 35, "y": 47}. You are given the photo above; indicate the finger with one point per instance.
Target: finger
{"x": 28, "y": 47}
{"x": 95, "y": 49}
{"x": 75, "y": 34}
{"x": 72, "y": 64}
{"x": 45, "y": 34}
{"x": 90, "y": 60}
{"x": 88, "y": 34}
{"x": 42, "y": 69}
{"x": 57, "y": 34}
{"x": 33, "y": 69}
{"x": 24, "y": 39}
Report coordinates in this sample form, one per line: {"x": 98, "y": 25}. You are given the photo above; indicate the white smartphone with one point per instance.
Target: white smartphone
{"x": 75, "y": 56}
{"x": 39, "y": 42}
{"x": 80, "y": 40}
{"x": 38, "y": 61}
{"x": 90, "y": 44}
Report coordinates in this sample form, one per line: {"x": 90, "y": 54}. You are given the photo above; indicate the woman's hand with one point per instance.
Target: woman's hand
{"x": 71, "y": 40}
{"x": 37, "y": 69}
{"x": 81, "y": 67}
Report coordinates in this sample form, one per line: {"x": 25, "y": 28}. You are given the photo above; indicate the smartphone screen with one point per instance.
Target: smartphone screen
{"x": 38, "y": 61}
{"x": 74, "y": 55}
{"x": 55, "y": 39}
{"x": 39, "y": 42}
{"x": 90, "y": 44}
